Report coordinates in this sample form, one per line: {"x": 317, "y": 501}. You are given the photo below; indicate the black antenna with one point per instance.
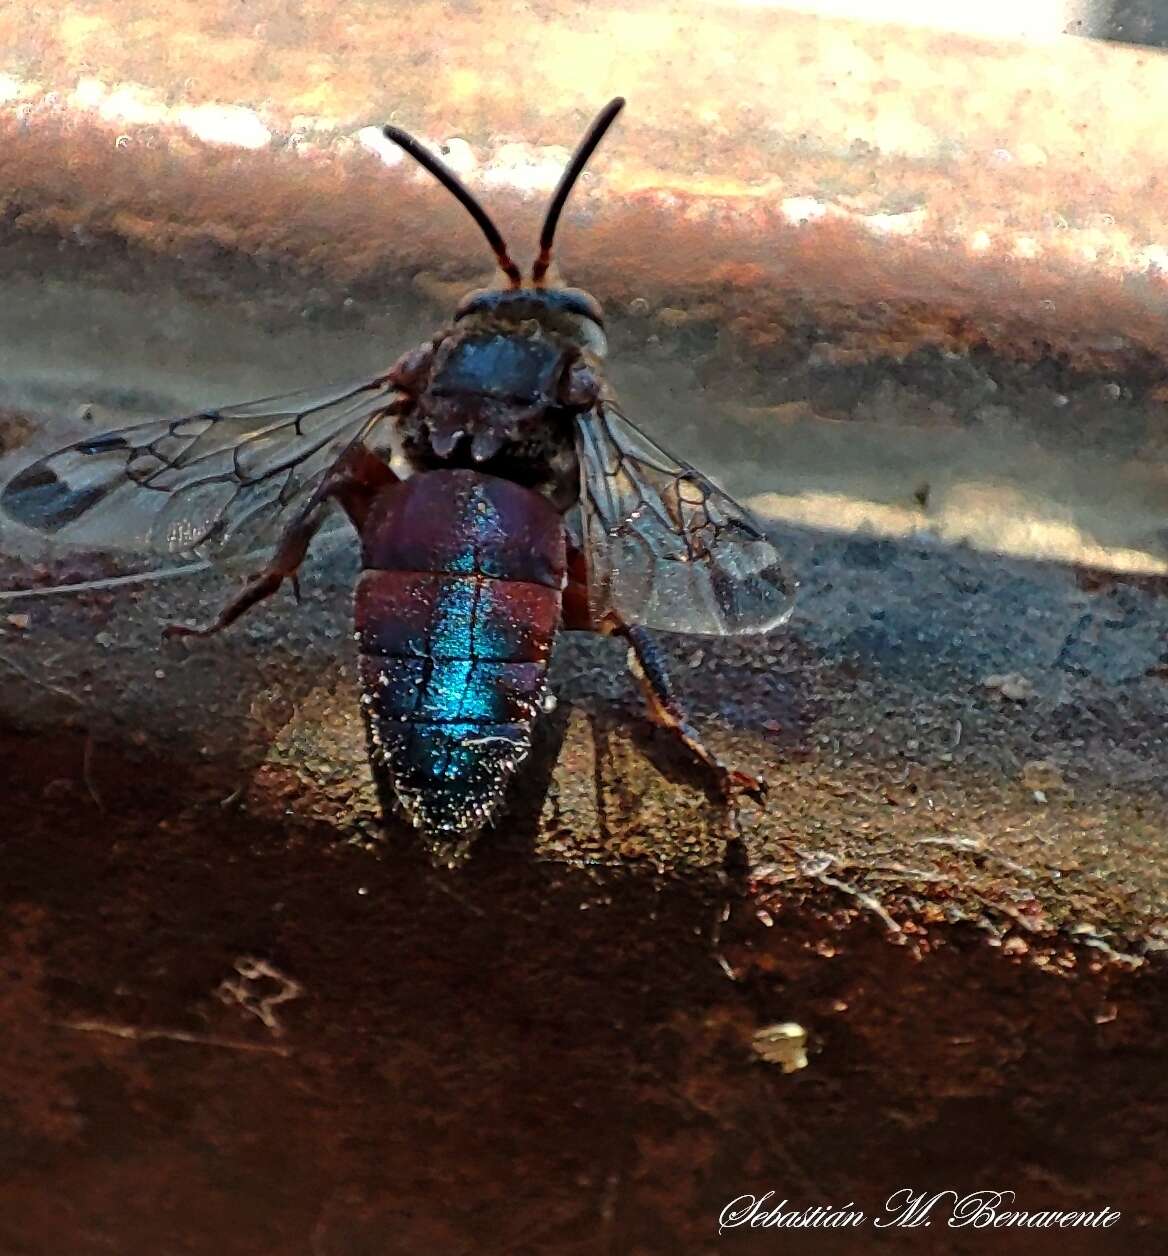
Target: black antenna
{"x": 604, "y": 119}
{"x": 453, "y": 184}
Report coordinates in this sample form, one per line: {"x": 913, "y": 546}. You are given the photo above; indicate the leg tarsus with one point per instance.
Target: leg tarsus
{"x": 736, "y": 865}
{"x": 355, "y": 479}
{"x": 285, "y": 562}
{"x": 647, "y": 664}
{"x": 260, "y": 586}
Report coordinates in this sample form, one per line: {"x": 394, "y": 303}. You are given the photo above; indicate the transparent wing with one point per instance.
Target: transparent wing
{"x": 215, "y": 484}
{"x": 665, "y": 547}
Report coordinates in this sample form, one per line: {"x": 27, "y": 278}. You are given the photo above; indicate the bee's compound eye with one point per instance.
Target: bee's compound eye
{"x": 476, "y": 300}
{"x": 577, "y": 301}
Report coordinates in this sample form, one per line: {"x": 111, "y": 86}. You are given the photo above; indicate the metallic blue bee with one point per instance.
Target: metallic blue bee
{"x": 531, "y": 504}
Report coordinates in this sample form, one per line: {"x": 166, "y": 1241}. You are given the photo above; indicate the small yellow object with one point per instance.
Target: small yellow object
{"x": 784, "y": 1045}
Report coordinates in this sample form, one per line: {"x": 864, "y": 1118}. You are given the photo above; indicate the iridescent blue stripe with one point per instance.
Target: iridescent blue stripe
{"x": 467, "y": 621}
{"x": 452, "y": 629}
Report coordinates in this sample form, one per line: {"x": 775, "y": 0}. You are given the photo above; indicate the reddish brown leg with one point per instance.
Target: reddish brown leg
{"x": 358, "y": 476}
{"x": 646, "y": 661}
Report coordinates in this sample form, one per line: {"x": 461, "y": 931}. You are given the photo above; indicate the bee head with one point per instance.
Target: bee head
{"x": 568, "y": 312}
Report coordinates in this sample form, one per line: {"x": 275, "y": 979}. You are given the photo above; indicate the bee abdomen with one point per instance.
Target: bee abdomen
{"x": 454, "y": 672}
{"x": 456, "y": 613}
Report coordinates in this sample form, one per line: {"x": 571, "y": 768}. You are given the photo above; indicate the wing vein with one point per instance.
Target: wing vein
{"x": 664, "y": 546}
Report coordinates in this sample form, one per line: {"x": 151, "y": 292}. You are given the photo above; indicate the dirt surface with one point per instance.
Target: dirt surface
{"x": 240, "y": 1036}
{"x": 227, "y": 980}
{"x": 243, "y": 1011}
{"x": 958, "y": 736}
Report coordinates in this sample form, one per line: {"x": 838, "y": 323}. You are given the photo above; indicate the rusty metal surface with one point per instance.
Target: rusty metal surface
{"x": 900, "y": 186}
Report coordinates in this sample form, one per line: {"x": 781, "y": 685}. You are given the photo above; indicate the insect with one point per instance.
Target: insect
{"x": 531, "y": 504}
